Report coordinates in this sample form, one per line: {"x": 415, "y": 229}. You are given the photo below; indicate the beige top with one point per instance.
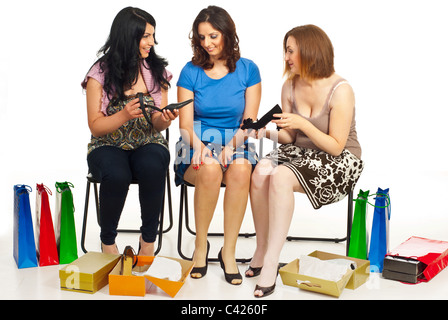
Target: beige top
{"x": 322, "y": 121}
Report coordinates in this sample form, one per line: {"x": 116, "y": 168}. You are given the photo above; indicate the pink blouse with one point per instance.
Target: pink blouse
{"x": 154, "y": 91}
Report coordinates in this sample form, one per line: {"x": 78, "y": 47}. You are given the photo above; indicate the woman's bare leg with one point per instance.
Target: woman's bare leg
{"x": 283, "y": 184}
{"x": 259, "y": 199}
{"x": 237, "y": 181}
{"x": 207, "y": 182}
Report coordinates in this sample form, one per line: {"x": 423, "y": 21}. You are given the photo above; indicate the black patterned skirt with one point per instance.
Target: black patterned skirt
{"x": 325, "y": 178}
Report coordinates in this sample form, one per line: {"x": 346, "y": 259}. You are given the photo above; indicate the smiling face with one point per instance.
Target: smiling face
{"x": 211, "y": 40}
{"x": 147, "y": 41}
{"x": 292, "y": 55}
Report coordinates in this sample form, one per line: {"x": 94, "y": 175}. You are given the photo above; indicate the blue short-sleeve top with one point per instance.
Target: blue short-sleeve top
{"x": 219, "y": 103}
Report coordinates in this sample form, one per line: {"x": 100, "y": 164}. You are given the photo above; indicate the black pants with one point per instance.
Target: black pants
{"x": 115, "y": 168}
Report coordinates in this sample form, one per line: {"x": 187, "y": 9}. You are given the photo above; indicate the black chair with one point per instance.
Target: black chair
{"x": 91, "y": 180}
{"x": 183, "y": 211}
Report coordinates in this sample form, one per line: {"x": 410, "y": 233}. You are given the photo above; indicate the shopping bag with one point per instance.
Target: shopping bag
{"x": 65, "y": 223}
{"x": 24, "y": 246}
{"x": 379, "y": 236}
{"x": 358, "y": 238}
{"x": 432, "y": 253}
{"x": 47, "y": 251}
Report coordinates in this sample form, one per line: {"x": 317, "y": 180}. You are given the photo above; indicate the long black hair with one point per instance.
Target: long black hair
{"x": 121, "y": 58}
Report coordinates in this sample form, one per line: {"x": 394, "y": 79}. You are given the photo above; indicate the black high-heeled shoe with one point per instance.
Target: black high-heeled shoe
{"x": 265, "y": 290}
{"x": 229, "y": 276}
{"x": 174, "y": 106}
{"x": 268, "y": 117}
{"x": 201, "y": 270}
{"x": 171, "y": 107}
{"x": 255, "y": 271}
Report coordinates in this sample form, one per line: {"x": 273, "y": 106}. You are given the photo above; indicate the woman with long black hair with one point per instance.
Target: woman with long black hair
{"x": 124, "y": 145}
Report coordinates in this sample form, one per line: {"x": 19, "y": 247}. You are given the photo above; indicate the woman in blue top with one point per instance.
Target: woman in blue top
{"x": 226, "y": 89}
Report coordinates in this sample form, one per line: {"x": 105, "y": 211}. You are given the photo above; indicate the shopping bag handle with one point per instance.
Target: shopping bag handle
{"x": 41, "y": 188}
{"x": 378, "y": 194}
{"x": 21, "y": 188}
{"x": 61, "y": 186}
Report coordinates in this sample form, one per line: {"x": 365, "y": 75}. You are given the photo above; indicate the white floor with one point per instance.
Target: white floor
{"x": 414, "y": 213}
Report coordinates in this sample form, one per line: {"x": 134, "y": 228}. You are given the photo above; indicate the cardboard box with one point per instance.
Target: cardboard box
{"x": 403, "y": 269}
{"x": 404, "y": 265}
{"x": 400, "y": 276}
{"x": 88, "y": 273}
{"x": 131, "y": 285}
{"x": 352, "y": 279}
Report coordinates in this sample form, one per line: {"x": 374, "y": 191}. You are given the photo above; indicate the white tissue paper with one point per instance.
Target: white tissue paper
{"x": 332, "y": 270}
{"x": 164, "y": 268}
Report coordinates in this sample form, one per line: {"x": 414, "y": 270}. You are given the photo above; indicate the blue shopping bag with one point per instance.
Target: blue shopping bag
{"x": 379, "y": 238}
{"x": 24, "y": 245}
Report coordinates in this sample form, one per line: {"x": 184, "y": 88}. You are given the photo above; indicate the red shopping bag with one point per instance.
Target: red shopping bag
{"x": 46, "y": 241}
{"x": 433, "y": 253}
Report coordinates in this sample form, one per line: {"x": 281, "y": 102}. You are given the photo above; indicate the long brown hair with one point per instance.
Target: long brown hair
{"x": 221, "y": 21}
{"x": 315, "y": 51}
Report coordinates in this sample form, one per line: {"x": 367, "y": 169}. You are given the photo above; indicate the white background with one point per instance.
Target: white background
{"x": 394, "y": 54}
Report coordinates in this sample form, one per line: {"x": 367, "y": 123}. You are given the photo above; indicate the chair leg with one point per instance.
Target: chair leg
{"x": 84, "y": 222}
{"x": 170, "y": 206}
{"x": 97, "y": 203}
{"x": 179, "y": 233}
{"x": 162, "y": 211}
{"x": 162, "y": 214}
{"x": 349, "y": 220}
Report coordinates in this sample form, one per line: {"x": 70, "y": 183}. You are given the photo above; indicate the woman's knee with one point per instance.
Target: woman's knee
{"x": 238, "y": 174}
{"x": 151, "y": 162}
{"x": 282, "y": 178}
{"x": 109, "y": 164}
{"x": 261, "y": 175}
{"x": 209, "y": 174}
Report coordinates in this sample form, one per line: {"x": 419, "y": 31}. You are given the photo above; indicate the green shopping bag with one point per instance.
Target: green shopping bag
{"x": 65, "y": 223}
{"x": 358, "y": 238}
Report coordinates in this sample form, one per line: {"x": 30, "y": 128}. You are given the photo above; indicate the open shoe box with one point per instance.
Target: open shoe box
{"x": 89, "y": 273}
{"x": 351, "y": 280}
{"x": 132, "y": 285}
